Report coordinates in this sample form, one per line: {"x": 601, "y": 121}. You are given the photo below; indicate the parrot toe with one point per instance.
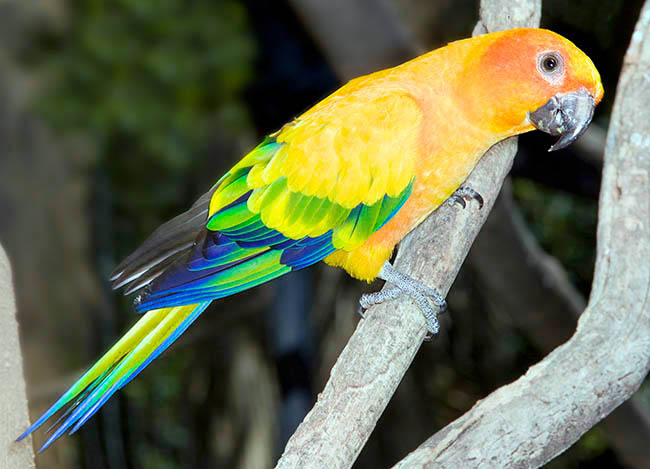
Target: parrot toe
{"x": 456, "y": 199}
{"x": 368, "y": 300}
{"x": 465, "y": 193}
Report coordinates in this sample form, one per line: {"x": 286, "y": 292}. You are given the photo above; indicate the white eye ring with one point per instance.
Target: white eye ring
{"x": 550, "y": 65}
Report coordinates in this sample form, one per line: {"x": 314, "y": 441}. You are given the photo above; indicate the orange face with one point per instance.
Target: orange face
{"x": 517, "y": 71}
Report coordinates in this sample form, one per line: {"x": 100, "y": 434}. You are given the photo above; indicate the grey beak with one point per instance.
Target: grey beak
{"x": 565, "y": 114}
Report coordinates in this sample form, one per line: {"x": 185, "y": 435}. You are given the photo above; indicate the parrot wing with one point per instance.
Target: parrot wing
{"x": 327, "y": 181}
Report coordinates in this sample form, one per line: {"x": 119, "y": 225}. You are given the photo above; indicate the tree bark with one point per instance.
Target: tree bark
{"x": 14, "y": 417}
{"x": 383, "y": 346}
{"x": 530, "y": 421}
{"x": 545, "y": 306}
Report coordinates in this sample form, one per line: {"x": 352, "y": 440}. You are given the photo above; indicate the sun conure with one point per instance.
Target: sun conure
{"x": 343, "y": 183}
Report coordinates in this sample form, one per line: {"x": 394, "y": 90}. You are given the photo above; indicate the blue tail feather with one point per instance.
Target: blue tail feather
{"x": 91, "y": 399}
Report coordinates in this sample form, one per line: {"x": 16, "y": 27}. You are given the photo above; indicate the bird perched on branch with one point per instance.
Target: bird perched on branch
{"x": 343, "y": 183}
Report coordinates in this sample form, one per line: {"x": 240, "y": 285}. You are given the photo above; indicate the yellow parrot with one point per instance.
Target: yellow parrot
{"x": 344, "y": 183}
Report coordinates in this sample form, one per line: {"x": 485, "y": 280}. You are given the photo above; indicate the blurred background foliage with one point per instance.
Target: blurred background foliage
{"x": 140, "y": 106}
{"x": 147, "y": 82}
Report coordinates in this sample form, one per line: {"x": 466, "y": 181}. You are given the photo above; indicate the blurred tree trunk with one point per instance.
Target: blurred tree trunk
{"x": 15, "y": 417}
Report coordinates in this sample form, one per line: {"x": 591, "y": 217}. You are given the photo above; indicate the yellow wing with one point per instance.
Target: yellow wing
{"x": 354, "y": 148}
{"x": 349, "y": 150}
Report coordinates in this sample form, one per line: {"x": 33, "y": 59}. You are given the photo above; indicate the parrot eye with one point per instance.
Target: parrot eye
{"x": 550, "y": 63}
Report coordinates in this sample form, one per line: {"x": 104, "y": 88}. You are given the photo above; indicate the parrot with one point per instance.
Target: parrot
{"x": 342, "y": 183}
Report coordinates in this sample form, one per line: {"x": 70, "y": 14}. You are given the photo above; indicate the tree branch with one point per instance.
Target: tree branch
{"x": 380, "y": 351}
{"x": 14, "y": 417}
{"x": 545, "y": 306}
{"x": 530, "y": 421}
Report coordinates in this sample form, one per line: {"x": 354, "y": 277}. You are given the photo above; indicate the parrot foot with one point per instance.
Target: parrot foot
{"x": 421, "y": 294}
{"x": 370, "y": 299}
{"x": 465, "y": 193}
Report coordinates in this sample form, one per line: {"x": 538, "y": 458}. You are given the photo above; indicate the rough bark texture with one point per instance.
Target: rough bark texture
{"x": 14, "y": 417}
{"x": 380, "y": 351}
{"x": 530, "y": 421}
{"x": 545, "y": 306}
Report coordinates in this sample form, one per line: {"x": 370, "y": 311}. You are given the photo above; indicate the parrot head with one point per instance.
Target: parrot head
{"x": 535, "y": 79}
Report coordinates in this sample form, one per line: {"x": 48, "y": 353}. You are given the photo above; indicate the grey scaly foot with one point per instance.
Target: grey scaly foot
{"x": 465, "y": 193}
{"x": 368, "y": 300}
{"x": 421, "y": 294}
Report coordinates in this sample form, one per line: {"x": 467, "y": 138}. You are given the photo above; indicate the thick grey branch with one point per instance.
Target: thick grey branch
{"x": 14, "y": 417}
{"x": 380, "y": 351}
{"x": 544, "y": 304}
{"x": 530, "y": 421}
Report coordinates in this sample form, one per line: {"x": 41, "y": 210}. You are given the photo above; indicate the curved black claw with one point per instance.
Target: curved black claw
{"x": 430, "y": 336}
{"x": 362, "y": 311}
{"x": 466, "y": 193}
{"x": 457, "y": 199}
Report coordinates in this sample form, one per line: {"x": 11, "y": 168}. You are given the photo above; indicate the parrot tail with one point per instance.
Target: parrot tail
{"x": 147, "y": 339}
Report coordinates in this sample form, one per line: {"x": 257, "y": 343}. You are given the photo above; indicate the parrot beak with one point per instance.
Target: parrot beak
{"x": 565, "y": 114}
